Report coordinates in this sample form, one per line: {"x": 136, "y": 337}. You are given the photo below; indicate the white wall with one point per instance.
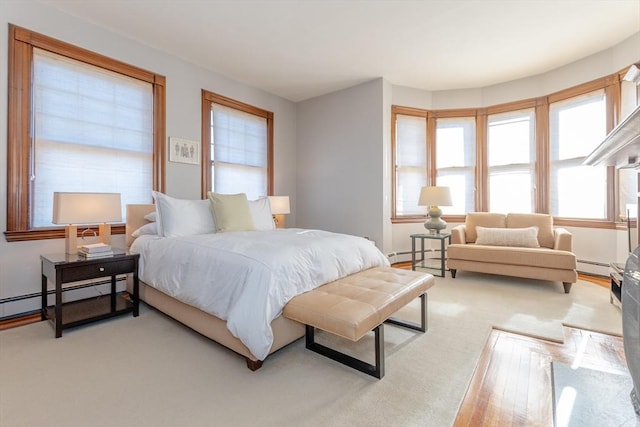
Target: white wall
{"x": 341, "y": 161}
{"x": 19, "y": 261}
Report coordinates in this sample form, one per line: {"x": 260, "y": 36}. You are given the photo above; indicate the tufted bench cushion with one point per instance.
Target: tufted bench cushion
{"x": 353, "y": 306}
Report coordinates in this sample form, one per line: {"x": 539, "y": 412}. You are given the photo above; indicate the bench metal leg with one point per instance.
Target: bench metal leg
{"x": 376, "y": 370}
{"x": 423, "y": 326}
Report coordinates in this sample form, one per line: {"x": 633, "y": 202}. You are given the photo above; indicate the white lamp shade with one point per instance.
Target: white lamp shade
{"x": 86, "y": 208}
{"x": 279, "y": 205}
{"x": 435, "y": 196}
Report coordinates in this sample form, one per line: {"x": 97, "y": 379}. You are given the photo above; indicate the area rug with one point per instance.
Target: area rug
{"x": 590, "y": 398}
{"x": 152, "y": 371}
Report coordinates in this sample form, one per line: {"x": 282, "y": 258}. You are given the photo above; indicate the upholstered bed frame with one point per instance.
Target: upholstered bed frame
{"x": 285, "y": 331}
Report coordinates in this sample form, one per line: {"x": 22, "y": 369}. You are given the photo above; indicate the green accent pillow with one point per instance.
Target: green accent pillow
{"x": 231, "y": 212}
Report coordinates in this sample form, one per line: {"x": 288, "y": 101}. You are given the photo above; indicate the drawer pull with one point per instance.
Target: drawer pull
{"x": 101, "y": 268}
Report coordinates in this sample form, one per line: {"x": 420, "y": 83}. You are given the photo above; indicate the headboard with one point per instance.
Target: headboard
{"x": 135, "y": 219}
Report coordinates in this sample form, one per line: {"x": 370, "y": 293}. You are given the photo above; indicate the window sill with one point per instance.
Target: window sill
{"x": 421, "y": 219}
{"x": 52, "y": 233}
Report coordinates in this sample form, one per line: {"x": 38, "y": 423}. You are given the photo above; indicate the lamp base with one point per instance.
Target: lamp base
{"x": 104, "y": 231}
{"x": 434, "y": 224}
{"x": 435, "y": 227}
{"x": 278, "y": 219}
{"x": 71, "y": 239}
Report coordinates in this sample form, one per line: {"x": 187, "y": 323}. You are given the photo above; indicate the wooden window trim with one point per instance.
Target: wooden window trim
{"x": 209, "y": 98}
{"x": 21, "y": 44}
{"x": 612, "y": 87}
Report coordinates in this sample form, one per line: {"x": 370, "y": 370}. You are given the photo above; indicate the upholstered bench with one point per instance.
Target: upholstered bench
{"x": 353, "y": 306}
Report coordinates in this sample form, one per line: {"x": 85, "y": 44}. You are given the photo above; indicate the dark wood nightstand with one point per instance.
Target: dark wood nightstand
{"x": 65, "y": 268}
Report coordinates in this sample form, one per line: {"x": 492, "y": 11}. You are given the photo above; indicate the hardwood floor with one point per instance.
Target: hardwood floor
{"x": 512, "y": 382}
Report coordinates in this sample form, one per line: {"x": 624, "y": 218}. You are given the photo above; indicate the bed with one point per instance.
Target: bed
{"x": 198, "y": 316}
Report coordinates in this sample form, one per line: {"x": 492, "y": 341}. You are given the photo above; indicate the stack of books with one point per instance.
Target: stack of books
{"x": 96, "y": 250}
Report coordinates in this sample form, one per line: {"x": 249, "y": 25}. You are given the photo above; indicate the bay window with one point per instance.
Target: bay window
{"x": 410, "y": 165}
{"x": 525, "y": 156}
{"x": 455, "y": 161}
{"x": 576, "y": 127}
{"x": 511, "y": 157}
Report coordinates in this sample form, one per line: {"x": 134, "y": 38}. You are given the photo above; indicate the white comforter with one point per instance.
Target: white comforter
{"x": 246, "y": 278}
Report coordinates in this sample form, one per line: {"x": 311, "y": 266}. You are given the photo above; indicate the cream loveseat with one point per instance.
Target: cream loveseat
{"x": 521, "y": 245}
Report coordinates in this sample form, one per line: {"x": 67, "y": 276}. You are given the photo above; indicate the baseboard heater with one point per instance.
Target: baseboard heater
{"x": 38, "y": 295}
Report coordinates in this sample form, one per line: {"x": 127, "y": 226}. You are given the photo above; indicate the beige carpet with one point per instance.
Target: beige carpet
{"x": 151, "y": 371}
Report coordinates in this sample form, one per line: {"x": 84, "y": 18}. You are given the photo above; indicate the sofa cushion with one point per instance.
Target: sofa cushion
{"x": 534, "y": 257}
{"x": 482, "y": 219}
{"x": 520, "y": 237}
{"x": 544, "y": 222}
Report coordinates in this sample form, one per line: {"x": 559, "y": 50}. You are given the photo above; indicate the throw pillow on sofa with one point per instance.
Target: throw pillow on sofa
{"x": 517, "y": 237}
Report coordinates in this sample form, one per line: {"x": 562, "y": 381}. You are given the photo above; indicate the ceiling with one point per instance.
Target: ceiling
{"x": 299, "y": 49}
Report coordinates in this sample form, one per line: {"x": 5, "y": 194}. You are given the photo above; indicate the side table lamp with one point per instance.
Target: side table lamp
{"x": 279, "y": 207}
{"x": 71, "y": 209}
{"x": 435, "y": 197}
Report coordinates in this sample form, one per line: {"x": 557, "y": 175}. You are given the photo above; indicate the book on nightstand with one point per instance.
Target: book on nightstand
{"x": 95, "y": 247}
{"x": 95, "y": 255}
{"x": 95, "y": 250}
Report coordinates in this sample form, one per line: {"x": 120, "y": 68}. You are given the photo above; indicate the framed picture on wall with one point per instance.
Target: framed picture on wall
{"x": 184, "y": 151}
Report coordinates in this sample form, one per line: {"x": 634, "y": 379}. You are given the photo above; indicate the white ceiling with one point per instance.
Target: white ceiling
{"x": 305, "y": 48}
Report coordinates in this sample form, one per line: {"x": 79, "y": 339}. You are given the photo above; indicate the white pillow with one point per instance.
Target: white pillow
{"x": 151, "y": 216}
{"x": 516, "y": 237}
{"x": 150, "y": 228}
{"x": 231, "y": 212}
{"x": 261, "y": 214}
{"x": 180, "y": 217}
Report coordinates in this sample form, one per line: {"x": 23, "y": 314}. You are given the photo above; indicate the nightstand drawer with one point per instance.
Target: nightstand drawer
{"x": 99, "y": 269}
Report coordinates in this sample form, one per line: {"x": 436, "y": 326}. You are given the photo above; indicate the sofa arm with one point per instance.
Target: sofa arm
{"x": 563, "y": 240}
{"x": 458, "y": 234}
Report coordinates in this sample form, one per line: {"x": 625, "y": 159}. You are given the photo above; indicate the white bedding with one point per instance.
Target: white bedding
{"x": 246, "y": 278}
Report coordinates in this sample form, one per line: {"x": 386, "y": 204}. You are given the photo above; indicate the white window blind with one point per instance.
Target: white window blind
{"x": 411, "y": 163}
{"x": 93, "y": 132}
{"x": 576, "y": 127}
{"x": 456, "y": 160}
{"x": 511, "y": 159}
{"x": 239, "y": 147}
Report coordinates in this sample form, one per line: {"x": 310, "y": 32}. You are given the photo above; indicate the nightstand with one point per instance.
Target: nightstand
{"x": 66, "y": 268}
{"x": 422, "y": 262}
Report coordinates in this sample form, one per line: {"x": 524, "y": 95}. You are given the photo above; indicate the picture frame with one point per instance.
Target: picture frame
{"x": 183, "y": 150}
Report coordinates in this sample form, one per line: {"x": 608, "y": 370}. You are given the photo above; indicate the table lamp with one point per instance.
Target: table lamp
{"x": 435, "y": 197}
{"x": 86, "y": 208}
{"x": 279, "y": 207}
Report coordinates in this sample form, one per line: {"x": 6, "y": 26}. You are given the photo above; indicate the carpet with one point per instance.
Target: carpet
{"x": 590, "y": 398}
{"x": 152, "y": 371}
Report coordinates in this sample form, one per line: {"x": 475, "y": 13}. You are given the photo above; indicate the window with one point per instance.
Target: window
{"x": 89, "y": 123}
{"x": 511, "y": 157}
{"x": 576, "y": 127}
{"x": 410, "y": 167}
{"x": 237, "y": 146}
{"x": 628, "y": 177}
{"x": 524, "y": 156}
{"x": 456, "y": 161}
{"x": 93, "y": 132}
